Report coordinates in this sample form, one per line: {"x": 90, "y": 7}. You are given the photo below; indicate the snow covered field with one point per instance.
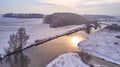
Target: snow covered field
{"x": 103, "y": 44}
{"x": 67, "y": 60}
{"x": 34, "y": 28}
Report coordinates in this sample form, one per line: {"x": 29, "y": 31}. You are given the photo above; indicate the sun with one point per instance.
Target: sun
{"x": 75, "y": 40}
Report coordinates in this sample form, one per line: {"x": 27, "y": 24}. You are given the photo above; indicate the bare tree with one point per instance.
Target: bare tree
{"x": 1, "y": 58}
{"x": 17, "y": 42}
{"x": 88, "y": 28}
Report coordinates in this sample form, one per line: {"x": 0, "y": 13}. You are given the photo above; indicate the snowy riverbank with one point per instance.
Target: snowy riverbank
{"x": 67, "y": 60}
{"x": 103, "y": 44}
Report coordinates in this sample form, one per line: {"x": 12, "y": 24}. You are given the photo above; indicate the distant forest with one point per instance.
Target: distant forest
{"x": 32, "y": 15}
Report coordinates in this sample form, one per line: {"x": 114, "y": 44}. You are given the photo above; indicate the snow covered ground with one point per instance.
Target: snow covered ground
{"x": 34, "y": 28}
{"x": 103, "y": 44}
{"x": 109, "y": 23}
{"x": 67, "y": 60}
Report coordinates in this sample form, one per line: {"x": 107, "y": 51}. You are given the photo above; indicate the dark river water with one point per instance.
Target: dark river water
{"x": 41, "y": 55}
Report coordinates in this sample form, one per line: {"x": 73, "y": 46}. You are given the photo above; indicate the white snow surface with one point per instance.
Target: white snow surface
{"x": 102, "y": 44}
{"x": 110, "y": 23}
{"x": 34, "y": 28}
{"x": 67, "y": 60}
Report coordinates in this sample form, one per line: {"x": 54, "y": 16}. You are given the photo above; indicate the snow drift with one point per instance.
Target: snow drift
{"x": 67, "y": 60}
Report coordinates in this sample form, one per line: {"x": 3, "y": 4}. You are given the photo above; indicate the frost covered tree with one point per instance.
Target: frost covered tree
{"x": 17, "y": 42}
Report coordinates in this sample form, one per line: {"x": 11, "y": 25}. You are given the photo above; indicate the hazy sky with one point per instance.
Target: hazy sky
{"x": 107, "y": 7}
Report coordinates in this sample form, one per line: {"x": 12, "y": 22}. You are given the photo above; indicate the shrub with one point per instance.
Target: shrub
{"x": 113, "y": 27}
{"x": 117, "y": 36}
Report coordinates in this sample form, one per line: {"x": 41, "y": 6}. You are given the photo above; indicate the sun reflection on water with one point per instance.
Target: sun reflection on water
{"x": 75, "y": 40}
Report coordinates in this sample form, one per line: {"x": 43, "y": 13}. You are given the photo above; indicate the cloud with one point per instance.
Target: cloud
{"x": 66, "y": 3}
{"x": 74, "y": 3}
{"x": 109, "y": 8}
{"x": 94, "y": 2}
{"x": 51, "y": 6}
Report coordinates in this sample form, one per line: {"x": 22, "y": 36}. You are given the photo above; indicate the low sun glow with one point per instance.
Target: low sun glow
{"x": 75, "y": 40}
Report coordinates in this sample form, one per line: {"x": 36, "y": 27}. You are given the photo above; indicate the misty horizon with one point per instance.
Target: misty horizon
{"x": 108, "y": 7}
